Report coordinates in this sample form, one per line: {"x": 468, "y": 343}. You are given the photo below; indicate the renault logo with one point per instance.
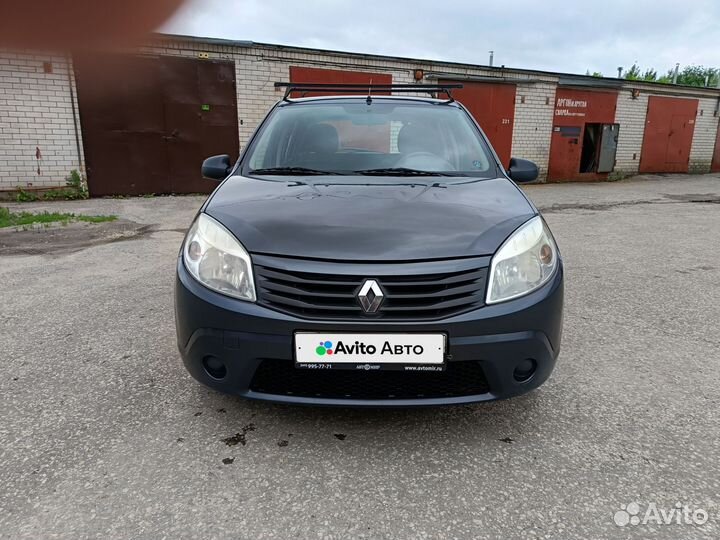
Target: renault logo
{"x": 370, "y": 296}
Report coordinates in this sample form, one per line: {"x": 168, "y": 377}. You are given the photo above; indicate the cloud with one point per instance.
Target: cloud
{"x": 549, "y": 35}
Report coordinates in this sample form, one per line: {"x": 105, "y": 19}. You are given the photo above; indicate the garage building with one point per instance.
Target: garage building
{"x": 140, "y": 121}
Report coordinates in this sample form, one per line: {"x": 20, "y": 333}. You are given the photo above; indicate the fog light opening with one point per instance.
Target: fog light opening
{"x": 525, "y": 370}
{"x": 214, "y": 367}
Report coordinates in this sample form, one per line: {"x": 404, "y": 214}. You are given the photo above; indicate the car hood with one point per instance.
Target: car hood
{"x": 370, "y": 219}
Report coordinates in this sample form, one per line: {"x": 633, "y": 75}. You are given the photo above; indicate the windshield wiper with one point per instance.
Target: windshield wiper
{"x": 292, "y": 171}
{"x": 403, "y": 171}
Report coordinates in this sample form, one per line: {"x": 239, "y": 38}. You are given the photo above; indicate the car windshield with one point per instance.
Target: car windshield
{"x": 376, "y": 139}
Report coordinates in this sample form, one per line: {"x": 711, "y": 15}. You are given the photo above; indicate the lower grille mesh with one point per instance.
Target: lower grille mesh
{"x": 280, "y": 377}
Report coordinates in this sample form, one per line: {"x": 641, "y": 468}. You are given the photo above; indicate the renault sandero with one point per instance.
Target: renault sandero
{"x": 369, "y": 248}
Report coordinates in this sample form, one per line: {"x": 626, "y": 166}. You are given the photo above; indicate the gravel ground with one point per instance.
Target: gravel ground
{"x": 103, "y": 433}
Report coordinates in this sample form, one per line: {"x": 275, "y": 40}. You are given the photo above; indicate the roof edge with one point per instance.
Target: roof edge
{"x": 570, "y": 79}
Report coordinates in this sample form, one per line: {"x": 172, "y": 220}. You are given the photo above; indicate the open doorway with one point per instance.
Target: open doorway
{"x": 599, "y": 147}
{"x": 590, "y": 154}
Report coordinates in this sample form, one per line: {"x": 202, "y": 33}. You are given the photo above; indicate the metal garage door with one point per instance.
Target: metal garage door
{"x": 493, "y": 106}
{"x": 669, "y": 129}
{"x": 148, "y": 122}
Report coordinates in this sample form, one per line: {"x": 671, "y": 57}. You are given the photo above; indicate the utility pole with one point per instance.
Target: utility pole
{"x": 675, "y": 73}
{"x": 492, "y": 53}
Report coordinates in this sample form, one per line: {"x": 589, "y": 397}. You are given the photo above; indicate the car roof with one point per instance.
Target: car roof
{"x": 355, "y": 98}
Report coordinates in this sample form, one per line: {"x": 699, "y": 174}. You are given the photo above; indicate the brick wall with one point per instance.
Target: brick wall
{"x": 532, "y": 131}
{"x": 630, "y": 114}
{"x": 706, "y": 128}
{"x": 36, "y": 112}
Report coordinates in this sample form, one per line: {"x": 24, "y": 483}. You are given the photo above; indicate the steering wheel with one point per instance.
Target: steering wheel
{"x": 424, "y": 161}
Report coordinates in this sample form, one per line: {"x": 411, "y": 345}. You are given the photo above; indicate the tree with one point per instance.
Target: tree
{"x": 650, "y": 75}
{"x": 594, "y": 74}
{"x": 633, "y": 74}
{"x": 694, "y": 76}
{"x": 690, "y": 75}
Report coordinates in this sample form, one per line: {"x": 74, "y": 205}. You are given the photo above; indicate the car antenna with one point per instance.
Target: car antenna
{"x": 369, "y": 98}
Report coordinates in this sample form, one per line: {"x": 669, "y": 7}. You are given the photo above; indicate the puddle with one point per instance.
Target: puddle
{"x": 69, "y": 238}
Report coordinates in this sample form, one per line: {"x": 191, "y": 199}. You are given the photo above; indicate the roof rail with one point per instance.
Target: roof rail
{"x": 331, "y": 88}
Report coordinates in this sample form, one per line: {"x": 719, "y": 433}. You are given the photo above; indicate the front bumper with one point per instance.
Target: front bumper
{"x": 243, "y": 334}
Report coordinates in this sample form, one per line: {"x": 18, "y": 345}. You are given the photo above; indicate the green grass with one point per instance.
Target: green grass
{"x": 19, "y": 219}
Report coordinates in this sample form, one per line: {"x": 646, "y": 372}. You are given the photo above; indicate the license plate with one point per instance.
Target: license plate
{"x": 408, "y": 352}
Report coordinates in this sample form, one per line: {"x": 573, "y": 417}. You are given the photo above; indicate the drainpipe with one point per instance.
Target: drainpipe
{"x": 75, "y": 115}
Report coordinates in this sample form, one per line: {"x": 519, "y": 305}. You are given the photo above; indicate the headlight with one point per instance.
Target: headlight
{"x": 217, "y": 260}
{"x": 523, "y": 263}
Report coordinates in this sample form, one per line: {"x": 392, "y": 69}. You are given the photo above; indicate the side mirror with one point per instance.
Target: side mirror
{"x": 522, "y": 170}
{"x": 216, "y": 167}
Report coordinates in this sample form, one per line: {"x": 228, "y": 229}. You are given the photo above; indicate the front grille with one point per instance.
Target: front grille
{"x": 280, "y": 377}
{"x": 313, "y": 290}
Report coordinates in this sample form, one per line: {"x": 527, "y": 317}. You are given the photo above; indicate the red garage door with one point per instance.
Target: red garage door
{"x": 669, "y": 129}
{"x": 493, "y": 106}
{"x": 336, "y": 76}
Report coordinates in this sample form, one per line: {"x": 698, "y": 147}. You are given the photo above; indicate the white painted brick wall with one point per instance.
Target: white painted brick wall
{"x": 532, "y": 130}
{"x": 35, "y": 112}
{"x": 630, "y": 114}
{"x": 706, "y": 128}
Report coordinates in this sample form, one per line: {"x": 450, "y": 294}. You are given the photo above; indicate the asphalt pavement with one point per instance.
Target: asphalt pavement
{"x": 104, "y": 434}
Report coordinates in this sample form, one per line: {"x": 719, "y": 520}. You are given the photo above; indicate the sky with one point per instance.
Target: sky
{"x": 566, "y": 36}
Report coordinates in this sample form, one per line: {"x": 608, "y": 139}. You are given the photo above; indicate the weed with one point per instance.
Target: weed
{"x": 22, "y": 219}
{"x": 616, "y": 176}
{"x": 75, "y": 188}
{"x": 25, "y": 196}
